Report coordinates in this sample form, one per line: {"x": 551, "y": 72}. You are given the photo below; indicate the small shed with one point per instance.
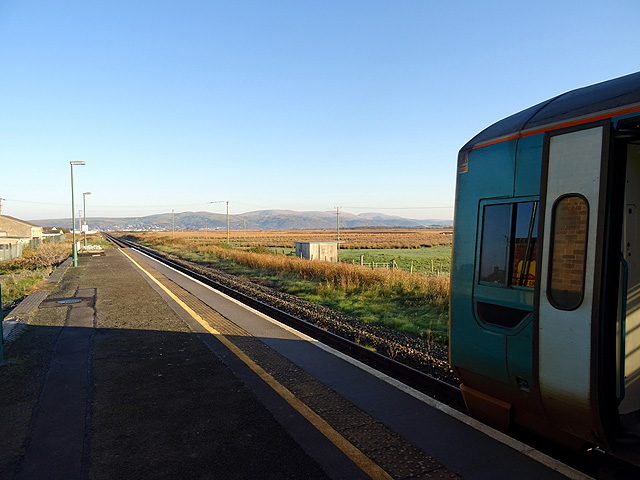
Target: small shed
{"x": 325, "y": 251}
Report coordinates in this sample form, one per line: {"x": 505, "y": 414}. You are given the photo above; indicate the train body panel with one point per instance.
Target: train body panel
{"x": 545, "y": 284}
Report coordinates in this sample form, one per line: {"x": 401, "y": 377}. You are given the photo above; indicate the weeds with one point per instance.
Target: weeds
{"x": 14, "y": 289}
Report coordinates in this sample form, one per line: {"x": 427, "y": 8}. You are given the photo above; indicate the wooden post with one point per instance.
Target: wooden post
{"x": 411, "y": 266}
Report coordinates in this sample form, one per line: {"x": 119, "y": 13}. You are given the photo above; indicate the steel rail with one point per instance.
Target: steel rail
{"x": 421, "y": 381}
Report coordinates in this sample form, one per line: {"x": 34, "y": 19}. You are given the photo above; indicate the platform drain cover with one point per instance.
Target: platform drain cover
{"x": 70, "y": 300}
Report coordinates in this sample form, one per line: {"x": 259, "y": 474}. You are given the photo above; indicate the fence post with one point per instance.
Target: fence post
{"x": 362, "y": 259}
{"x": 411, "y": 266}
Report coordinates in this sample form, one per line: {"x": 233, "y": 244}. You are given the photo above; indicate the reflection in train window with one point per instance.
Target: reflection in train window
{"x": 496, "y": 229}
{"x": 508, "y": 247}
{"x": 568, "y": 252}
{"x": 524, "y": 245}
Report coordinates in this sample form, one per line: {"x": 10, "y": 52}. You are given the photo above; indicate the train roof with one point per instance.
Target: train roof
{"x": 602, "y": 100}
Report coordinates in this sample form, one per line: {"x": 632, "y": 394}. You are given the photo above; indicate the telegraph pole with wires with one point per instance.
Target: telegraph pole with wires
{"x": 227, "y": 202}
{"x": 338, "y": 224}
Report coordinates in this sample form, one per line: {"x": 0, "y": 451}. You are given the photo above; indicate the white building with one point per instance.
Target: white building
{"x": 325, "y": 251}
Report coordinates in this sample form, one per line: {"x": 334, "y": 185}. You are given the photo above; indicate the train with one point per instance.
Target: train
{"x": 544, "y": 330}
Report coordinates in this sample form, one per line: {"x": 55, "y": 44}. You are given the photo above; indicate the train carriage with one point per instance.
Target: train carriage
{"x": 545, "y": 282}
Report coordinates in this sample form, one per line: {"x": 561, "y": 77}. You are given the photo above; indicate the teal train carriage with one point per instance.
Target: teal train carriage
{"x": 545, "y": 282}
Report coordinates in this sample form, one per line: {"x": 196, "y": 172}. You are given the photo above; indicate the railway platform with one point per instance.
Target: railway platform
{"x": 128, "y": 369}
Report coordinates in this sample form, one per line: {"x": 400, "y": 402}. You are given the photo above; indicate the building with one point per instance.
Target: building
{"x": 325, "y": 251}
{"x": 53, "y": 234}
{"x": 15, "y": 234}
{"x": 48, "y": 232}
{"x": 13, "y": 230}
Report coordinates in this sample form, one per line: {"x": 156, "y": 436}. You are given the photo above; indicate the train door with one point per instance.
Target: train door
{"x": 573, "y": 188}
{"x": 628, "y": 330}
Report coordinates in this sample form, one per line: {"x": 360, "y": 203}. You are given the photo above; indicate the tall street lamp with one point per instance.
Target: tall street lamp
{"x": 84, "y": 211}
{"x": 73, "y": 215}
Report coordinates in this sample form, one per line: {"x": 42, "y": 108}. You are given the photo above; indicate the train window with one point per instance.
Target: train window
{"x": 496, "y": 230}
{"x": 508, "y": 248}
{"x": 569, "y": 222}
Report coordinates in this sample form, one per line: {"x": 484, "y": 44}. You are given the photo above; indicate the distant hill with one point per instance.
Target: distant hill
{"x": 258, "y": 220}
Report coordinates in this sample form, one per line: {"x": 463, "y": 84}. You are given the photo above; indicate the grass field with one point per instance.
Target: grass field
{"x": 384, "y": 238}
{"x": 415, "y": 303}
{"x": 425, "y": 260}
{"x": 435, "y": 260}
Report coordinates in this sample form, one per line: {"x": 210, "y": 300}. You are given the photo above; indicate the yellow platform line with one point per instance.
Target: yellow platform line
{"x": 358, "y": 457}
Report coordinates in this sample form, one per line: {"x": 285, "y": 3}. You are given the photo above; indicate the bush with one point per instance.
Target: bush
{"x": 45, "y": 257}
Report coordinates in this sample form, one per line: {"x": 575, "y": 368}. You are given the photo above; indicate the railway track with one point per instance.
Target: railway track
{"x": 423, "y": 382}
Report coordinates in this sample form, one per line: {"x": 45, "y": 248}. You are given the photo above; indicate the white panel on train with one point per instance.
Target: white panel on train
{"x": 565, "y": 315}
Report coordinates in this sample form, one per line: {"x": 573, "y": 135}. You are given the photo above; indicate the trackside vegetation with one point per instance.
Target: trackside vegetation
{"x": 24, "y": 275}
{"x": 21, "y": 276}
{"x": 411, "y": 303}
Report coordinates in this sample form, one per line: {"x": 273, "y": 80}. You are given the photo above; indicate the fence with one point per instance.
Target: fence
{"x": 437, "y": 268}
{"x": 374, "y": 265}
{"x": 9, "y": 251}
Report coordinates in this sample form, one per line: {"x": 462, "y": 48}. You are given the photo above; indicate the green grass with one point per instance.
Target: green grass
{"x": 397, "y": 312}
{"x": 426, "y": 260}
{"x": 13, "y": 289}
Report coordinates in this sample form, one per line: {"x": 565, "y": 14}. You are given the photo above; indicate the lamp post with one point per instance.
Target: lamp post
{"x": 73, "y": 215}
{"x": 84, "y": 211}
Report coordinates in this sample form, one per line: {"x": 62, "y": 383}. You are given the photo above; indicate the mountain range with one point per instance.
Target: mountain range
{"x": 258, "y": 220}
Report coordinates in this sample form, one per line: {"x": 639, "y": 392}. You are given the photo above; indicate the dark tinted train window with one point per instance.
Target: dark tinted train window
{"x": 568, "y": 252}
{"x": 508, "y": 247}
{"x": 496, "y": 230}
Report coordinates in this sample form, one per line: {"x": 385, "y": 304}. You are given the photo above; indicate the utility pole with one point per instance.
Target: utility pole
{"x": 338, "y": 224}
{"x": 173, "y": 226}
{"x": 227, "y": 202}
{"x": 1, "y": 199}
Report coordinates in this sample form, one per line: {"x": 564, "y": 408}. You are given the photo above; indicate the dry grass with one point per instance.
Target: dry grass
{"x": 433, "y": 290}
{"x": 45, "y": 257}
{"x": 349, "y": 238}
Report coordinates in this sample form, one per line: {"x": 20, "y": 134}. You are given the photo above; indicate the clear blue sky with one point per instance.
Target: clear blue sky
{"x": 301, "y": 105}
